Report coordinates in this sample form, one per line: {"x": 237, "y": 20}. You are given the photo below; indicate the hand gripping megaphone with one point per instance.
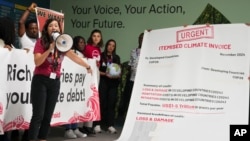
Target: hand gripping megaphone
{"x": 64, "y": 42}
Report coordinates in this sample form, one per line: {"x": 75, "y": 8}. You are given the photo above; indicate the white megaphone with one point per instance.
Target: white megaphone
{"x": 64, "y": 42}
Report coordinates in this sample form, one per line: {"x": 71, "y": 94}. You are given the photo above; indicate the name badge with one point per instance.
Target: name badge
{"x": 52, "y": 75}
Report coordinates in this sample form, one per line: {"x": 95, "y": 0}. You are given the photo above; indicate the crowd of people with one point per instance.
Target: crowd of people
{"x": 45, "y": 84}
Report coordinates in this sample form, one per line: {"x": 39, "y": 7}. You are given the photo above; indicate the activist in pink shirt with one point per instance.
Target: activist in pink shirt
{"x": 45, "y": 84}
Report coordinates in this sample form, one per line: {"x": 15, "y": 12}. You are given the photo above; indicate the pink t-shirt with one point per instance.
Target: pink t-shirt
{"x": 47, "y": 66}
{"x": 91, "y": 51}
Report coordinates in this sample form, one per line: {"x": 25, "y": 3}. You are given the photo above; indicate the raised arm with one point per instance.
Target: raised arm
{"x": 21, "y": 23}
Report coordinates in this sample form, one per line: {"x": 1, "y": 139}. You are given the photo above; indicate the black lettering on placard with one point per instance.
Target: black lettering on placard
{"x": 15, "y": 73}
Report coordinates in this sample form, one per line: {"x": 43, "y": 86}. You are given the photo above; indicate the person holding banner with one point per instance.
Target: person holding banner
{"x": 28, "y": 29}
{"x": 93, "y": 50}
{"x": 45, "y": 84}
{"x": 79, "y": 44}
{"x": 7, "y": 39}
{"x": 94, "y": 45}
{"x": 72, "y": 130}
{"x": 108, "y": 86}
{"x": 28, "y": 34}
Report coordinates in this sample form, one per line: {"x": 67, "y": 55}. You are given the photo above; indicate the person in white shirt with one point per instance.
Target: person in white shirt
{"x": 28, "y": 31}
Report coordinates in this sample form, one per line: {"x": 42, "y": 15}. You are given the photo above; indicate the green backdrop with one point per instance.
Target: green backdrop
{"x": 124, "y": 20}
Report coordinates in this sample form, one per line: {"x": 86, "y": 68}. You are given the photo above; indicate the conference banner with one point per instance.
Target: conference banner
{"x": 78, "y": 100}
{"x": 191, "y": 84}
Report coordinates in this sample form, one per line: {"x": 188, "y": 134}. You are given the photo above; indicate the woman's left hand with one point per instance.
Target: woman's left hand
{"x": 90, "y": 71}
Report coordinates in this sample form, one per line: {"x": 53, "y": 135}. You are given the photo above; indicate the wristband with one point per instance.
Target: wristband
{"x": 88, "y": 68}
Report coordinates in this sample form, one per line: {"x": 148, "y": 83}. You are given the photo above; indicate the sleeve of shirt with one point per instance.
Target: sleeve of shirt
{"x": 38, "y": 47}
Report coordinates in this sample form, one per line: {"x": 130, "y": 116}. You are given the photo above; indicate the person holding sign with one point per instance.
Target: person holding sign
{"x": 45, "y": 84}
{"x": 7, "y": 39}
{"x": 110, "y": 73}
{"x": 72, "y": 130}
{"x": 27, "y": 35}
{"x": 93, "y": 50}
{"x": 28, "y": 29}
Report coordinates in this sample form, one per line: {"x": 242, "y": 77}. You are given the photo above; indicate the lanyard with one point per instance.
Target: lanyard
{"x": 55, "y": 60}
{"x": 109, "y": 59}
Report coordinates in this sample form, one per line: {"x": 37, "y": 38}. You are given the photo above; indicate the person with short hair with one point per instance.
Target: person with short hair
{"x": 28, "y": 34}
{"x": 28, "y": 31}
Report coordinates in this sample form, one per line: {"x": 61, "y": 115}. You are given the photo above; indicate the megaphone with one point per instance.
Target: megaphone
{"x": 64, "y": 42}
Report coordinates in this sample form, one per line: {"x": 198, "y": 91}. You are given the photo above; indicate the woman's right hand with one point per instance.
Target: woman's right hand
{"x": 52, "y": 46}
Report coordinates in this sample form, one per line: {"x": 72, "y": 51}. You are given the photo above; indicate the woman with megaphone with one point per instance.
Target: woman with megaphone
{"x": 45, "y": 85}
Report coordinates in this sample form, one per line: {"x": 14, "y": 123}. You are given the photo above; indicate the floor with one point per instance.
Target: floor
{"x": 57, "y": 134}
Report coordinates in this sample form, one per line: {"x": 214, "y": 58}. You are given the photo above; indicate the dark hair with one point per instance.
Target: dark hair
{"x": 90, "y": 40}
{"x": 7, "y": 30}
{"x": 28, "y": 22}
{"x": 140, "y": 39}
{"x": 115, "y": 57}
{"x": 106, "y": 47}
{"x": 46, "y": 38}
{"x": 76, "y": 40}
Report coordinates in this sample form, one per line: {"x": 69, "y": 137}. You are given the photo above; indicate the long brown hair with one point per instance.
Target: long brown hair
{"x": 7, "y": 30}
{"x": 90, "y": 40}
{"x": 46, "y": 38}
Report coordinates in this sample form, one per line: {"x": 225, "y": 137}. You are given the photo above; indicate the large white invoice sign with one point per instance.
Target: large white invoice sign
{"x": 192, "y": 84}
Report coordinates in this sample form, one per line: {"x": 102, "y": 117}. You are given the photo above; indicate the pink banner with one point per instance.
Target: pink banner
{"x": 43, "y": 14}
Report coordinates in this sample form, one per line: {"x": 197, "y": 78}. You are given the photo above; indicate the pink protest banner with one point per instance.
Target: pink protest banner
{"x": 42, "y": 14}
